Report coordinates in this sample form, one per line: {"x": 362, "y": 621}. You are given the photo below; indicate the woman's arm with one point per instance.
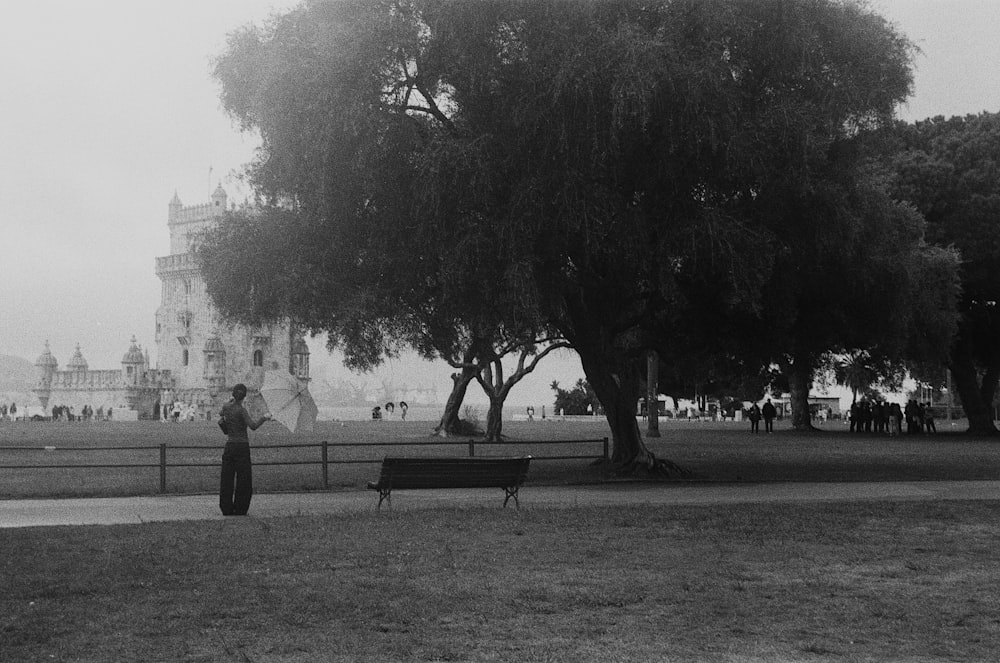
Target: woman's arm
{"x": 254, "y": 424}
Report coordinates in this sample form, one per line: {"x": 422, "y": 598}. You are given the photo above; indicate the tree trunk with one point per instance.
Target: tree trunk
{"x": 494, "y": 419}
{"x": 652, "y": 406}
{"x": 491, "y": 379}
{"x": 450, "y": 420}
{"x": 619, "y": 409}
{"x": 800, "y": 375}
{"x": 618, "y": 388}
{"x": 970, "y": 391}
{"x": 616, "y": 378}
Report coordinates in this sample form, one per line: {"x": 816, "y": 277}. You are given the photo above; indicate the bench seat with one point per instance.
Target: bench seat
{"x": 425, "y": 473}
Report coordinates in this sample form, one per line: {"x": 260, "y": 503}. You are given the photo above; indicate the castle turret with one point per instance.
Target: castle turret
{"x": 46, "y": 366}
{"x": 219, "y": 200}
{"x": 174, "y": 208}
{"x": 133, "y": 363}
{"x": 77, "y": 364}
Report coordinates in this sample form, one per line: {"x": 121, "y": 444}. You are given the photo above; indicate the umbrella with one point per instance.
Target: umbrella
{"x": 289, "y": 401}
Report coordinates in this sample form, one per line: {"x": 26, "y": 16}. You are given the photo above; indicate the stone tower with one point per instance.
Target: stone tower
{"x": 205, "y": 357}
{"x": 47, "y": 366}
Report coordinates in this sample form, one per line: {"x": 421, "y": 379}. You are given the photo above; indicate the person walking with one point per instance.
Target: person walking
{"x": 929, "y": 425}
{"x": 911, "y": 412}
{"x": 895, "y": 419}
{"x": 236, "y": 483}
{"x": 769, "y": 413}
{"x": 754, "y": 418}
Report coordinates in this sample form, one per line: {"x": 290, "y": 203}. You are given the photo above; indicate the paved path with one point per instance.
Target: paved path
{"x": 133, "y": 510}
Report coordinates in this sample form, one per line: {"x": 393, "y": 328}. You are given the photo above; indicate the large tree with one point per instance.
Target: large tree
{"x": 858, "y": 277}
{"x": 603, "y": 170}
{"x": 346, "y": 238}
{"x": 950, "y": 170}
{"x": 718, "y": 196}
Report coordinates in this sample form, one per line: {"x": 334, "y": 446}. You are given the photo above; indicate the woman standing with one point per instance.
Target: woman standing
{"x": 754, "y": 417}
{"x": 236, "y": 485}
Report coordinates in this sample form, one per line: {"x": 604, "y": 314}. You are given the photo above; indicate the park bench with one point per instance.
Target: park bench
{"x": 421, "y": 473}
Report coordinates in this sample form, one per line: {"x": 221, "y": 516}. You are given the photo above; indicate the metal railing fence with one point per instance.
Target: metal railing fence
{"x": 325, "y": 460}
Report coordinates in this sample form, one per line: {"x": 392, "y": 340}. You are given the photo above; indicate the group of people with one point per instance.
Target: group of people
{"x": 881, "y": 417}
{"x": 60, "y": 413}
{"x": 87, "y": 413}
{"x": 378, "y": 413}
{"x": 768, "y": 413}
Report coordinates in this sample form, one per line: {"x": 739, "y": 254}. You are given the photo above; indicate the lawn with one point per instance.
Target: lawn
{"x": 719, "y": 452}
{"x": 810, "y": 582}
{"x": 866, "y": 581}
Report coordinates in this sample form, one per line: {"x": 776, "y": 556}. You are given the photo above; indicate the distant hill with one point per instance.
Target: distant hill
{"x": 16, "y": 374}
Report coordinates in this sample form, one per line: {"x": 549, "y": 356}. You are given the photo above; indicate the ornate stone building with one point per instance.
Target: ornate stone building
{"x": 198, "y": 357}
{"x": 134, "y": 390}
{"x": 204, "y": 356}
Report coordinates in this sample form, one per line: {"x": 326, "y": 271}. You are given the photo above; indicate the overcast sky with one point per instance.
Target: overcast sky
{"x": 107, "y": 108}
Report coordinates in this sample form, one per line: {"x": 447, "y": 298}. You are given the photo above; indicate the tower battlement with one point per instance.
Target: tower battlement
{"x": 186, "y": 221}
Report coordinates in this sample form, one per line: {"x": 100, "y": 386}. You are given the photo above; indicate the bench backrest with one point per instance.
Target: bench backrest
{"x": 453, "y": 472}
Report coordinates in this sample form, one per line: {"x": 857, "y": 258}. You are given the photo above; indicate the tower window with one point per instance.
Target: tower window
{"x": 258, "y": 358}
{"x": 184, "y": 358}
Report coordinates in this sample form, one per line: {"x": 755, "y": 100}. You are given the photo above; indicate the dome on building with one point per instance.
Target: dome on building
{"x": 134, "y": 354}
{"x": 77, "y": 363}
{"x": 46, "y": 359}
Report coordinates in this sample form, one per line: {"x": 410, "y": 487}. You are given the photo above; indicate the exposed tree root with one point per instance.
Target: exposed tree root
{"x": 661, "y": 468}
{"x": 463, "y": 432}
{"x": 649, "y": 468}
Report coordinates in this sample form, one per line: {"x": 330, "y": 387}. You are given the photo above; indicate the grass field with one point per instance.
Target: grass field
{"x": 866, "y": 581}
{"x": 799, "y": 582}
{"x": 713, "y": 451}
{"x": 194, "y": 451}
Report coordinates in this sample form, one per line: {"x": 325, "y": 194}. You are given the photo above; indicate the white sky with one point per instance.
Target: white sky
{"x": 107, "y": 107}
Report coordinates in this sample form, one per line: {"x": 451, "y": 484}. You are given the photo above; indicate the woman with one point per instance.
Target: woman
{"x": 236, "y": 486}
{"x": 754, "y": 417}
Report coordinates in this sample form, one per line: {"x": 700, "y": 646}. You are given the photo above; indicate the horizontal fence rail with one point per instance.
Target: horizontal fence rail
{"x": 325, "y": 459}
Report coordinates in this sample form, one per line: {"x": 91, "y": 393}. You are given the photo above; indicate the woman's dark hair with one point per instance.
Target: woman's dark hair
{"x": 240, "y": 391}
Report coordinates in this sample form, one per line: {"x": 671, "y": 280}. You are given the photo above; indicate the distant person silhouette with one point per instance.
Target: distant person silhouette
{"x": 769, "y": 412}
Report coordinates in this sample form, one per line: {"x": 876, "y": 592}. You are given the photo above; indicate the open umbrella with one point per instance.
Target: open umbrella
{"x": 289, "y": 401}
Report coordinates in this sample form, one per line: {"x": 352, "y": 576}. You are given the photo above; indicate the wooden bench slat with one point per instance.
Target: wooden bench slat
{"x": 427, "y": 473}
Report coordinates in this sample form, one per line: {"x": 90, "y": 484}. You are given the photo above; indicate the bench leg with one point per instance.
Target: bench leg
{"x": 383, "y": 496}
{"x": 509, "y": 493}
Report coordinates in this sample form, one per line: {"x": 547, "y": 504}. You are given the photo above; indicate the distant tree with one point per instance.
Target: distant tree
{"x": 581, "y": 399}
{"x": 859, "y": 279}
{"x": 860, "y": 372}
{"x": 497, "y": 385}
{"x": 950, "y": 170}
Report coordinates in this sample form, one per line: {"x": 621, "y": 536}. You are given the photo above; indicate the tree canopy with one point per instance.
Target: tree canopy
{"x": 950, "y": 170}
{"x": 673, "y": 175}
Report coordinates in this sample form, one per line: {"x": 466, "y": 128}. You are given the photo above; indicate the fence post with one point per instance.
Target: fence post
{"x": 606, "y": 456}
{"x": 472, "y": 448}
{"x": 163, "y": 467}
{"x": 326, "y": 468}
